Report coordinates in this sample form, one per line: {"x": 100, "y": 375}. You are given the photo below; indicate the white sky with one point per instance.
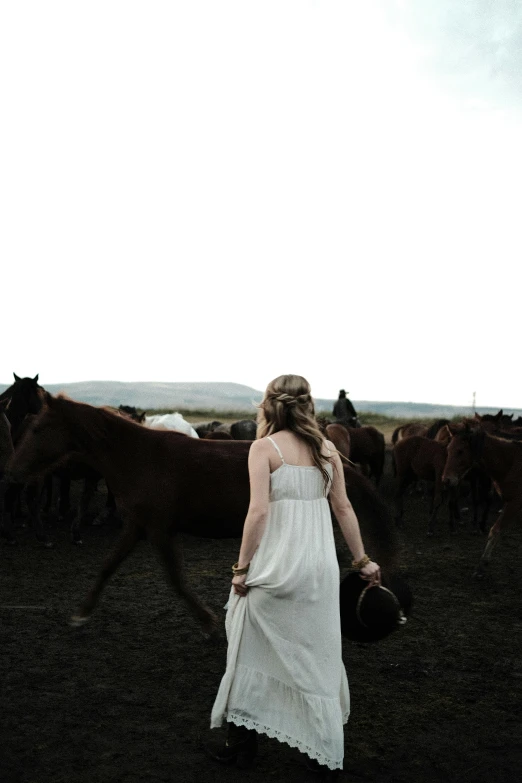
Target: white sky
{"x": 228, "y": 191}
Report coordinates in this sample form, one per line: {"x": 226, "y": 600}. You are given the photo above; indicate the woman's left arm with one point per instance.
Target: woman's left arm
{"x": 259, "y": 473}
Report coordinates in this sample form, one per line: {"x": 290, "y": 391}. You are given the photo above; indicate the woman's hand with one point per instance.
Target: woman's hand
{"x": 371, "y": 572}
{"x": 238, "y": 582}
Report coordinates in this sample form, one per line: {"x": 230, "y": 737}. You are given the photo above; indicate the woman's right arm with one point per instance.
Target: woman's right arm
{"x": 346, "y": 517}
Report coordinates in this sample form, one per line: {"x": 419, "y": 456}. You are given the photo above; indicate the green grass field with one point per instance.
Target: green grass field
{"x": 386, "y": 424}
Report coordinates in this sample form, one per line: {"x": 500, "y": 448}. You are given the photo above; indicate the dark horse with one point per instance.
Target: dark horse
{"x": 419, "y": 458}
{"x": 501, "y": 459}
{"x": 24, "y": 398}
{"x": 367, "y": 447}
{"x": 340, "y": 437}
{"x": 165, "y": 484}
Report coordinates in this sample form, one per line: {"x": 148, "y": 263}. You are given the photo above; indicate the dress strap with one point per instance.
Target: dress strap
{"x": 274, "y": 444}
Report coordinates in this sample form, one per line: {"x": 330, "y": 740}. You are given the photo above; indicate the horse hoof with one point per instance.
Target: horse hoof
{"x": 77, "y": 621}
{"x": 77, "y": 541}
{"x": 48, "y": 544}
{"x": 478, "y": 575}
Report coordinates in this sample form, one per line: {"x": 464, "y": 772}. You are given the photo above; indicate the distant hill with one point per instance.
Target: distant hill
{"x": 230, "y": 396}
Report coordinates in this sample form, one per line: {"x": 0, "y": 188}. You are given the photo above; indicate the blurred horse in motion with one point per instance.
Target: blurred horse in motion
{"x": 166, "y": 484}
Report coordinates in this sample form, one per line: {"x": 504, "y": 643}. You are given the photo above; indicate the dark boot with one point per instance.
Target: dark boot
{"x": 240, "y": 747}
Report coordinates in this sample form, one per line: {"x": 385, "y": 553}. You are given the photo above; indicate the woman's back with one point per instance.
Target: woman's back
{"x": 295, "y": 481}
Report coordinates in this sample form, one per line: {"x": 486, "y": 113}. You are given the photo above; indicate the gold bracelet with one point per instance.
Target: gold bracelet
{"x": 239, "y": 571}
{"x": 358, "y": 564}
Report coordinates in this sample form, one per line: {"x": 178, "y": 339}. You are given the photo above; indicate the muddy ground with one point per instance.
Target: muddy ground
{"x": 128, "y": 697}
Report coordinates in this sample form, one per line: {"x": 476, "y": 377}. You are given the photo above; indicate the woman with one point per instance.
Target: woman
{"x": 285, "y": 676}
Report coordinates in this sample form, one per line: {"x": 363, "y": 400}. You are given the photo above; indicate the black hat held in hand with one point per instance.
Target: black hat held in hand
{"x": 370, "y": 612}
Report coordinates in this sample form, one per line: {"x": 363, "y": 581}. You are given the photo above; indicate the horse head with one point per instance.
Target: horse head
{"x": 44, "y": 441}
{"x": 26, "y": 394}
{"x": 466, "y": 441}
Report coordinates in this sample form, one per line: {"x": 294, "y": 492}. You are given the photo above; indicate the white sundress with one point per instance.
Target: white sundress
{"x": 285, "y": 676}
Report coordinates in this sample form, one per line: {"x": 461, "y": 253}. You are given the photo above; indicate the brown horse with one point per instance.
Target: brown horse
{"x": 502, "y": 461}
{"x": 217, "y": 435}
{"x": 417, "y": 458}
{"x": 165, "y": 484}
{"x": 408, "y": 431}
{"x": 24, "y": 398}
{"x": 75, "y": 470}
{"x": 340, "y": 438}
{"x": 367, "y": 447}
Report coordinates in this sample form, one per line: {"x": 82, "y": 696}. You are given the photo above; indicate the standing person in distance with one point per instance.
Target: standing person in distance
{"x": 285, "y": 675}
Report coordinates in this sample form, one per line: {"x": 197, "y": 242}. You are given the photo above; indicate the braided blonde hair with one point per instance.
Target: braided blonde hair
{"x": 288, "y": 405}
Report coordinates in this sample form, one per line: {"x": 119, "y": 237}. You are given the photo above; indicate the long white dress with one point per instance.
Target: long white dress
{"x": 285, "y": 675}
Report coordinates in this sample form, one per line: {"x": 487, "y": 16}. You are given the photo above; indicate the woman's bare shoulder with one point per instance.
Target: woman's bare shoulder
{"x": 260, "y": 446}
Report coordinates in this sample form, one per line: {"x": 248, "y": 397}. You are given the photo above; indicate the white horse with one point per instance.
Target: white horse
{"x": 171, "y": 421}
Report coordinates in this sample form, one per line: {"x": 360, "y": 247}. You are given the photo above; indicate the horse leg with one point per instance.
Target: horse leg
{"x": 48, "y": 493}
{"x": 124, "y": 546}
{"x": 108, "y": 512}
{"x": 453, "y": 507}
{"x": 64, "y": 498}
{"x": 485, "y": 494}
{"x": 6, "y": 527}
{"x": 508, "y": 513}
{"x": 88, "y": 490}
{"x": 33, "y": 494}
{"x": 485, "y": 513}
{"x": 473, "y": 483}
{"x": 170, "y": 550}
{"x": 436, "y": 502}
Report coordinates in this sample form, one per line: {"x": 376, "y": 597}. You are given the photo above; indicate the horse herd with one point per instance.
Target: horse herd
{"x": 481, "y": 455}
{"x": 164, "y": 484}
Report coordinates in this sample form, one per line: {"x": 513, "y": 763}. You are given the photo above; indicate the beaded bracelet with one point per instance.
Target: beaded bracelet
{"x": 358, "y": 564}
{"x": 239, "y": 571}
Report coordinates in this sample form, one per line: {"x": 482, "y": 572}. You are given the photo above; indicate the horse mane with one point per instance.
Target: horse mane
{"x": 92, "y": 424}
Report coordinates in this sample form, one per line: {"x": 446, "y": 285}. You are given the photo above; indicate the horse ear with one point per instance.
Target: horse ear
{"x": 16, "y": 377}
{"x": 35, "y": 379}
{"x": 5, "y": 403}
{"x": 478, "y": 416}
{"x": 448, "y": 431}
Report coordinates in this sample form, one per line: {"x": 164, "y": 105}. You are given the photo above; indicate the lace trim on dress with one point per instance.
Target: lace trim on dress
{"x": 253, "y": 725}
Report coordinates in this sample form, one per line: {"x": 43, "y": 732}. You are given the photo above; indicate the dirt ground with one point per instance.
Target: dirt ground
{"x": 128, "y": 697}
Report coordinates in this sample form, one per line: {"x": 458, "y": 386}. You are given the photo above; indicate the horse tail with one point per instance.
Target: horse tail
{"x": 377, "y": 525}
{"x": 395, "y": 436}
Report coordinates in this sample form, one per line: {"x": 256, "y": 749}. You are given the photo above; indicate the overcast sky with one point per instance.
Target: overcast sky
{"x": 227, "y": 191}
